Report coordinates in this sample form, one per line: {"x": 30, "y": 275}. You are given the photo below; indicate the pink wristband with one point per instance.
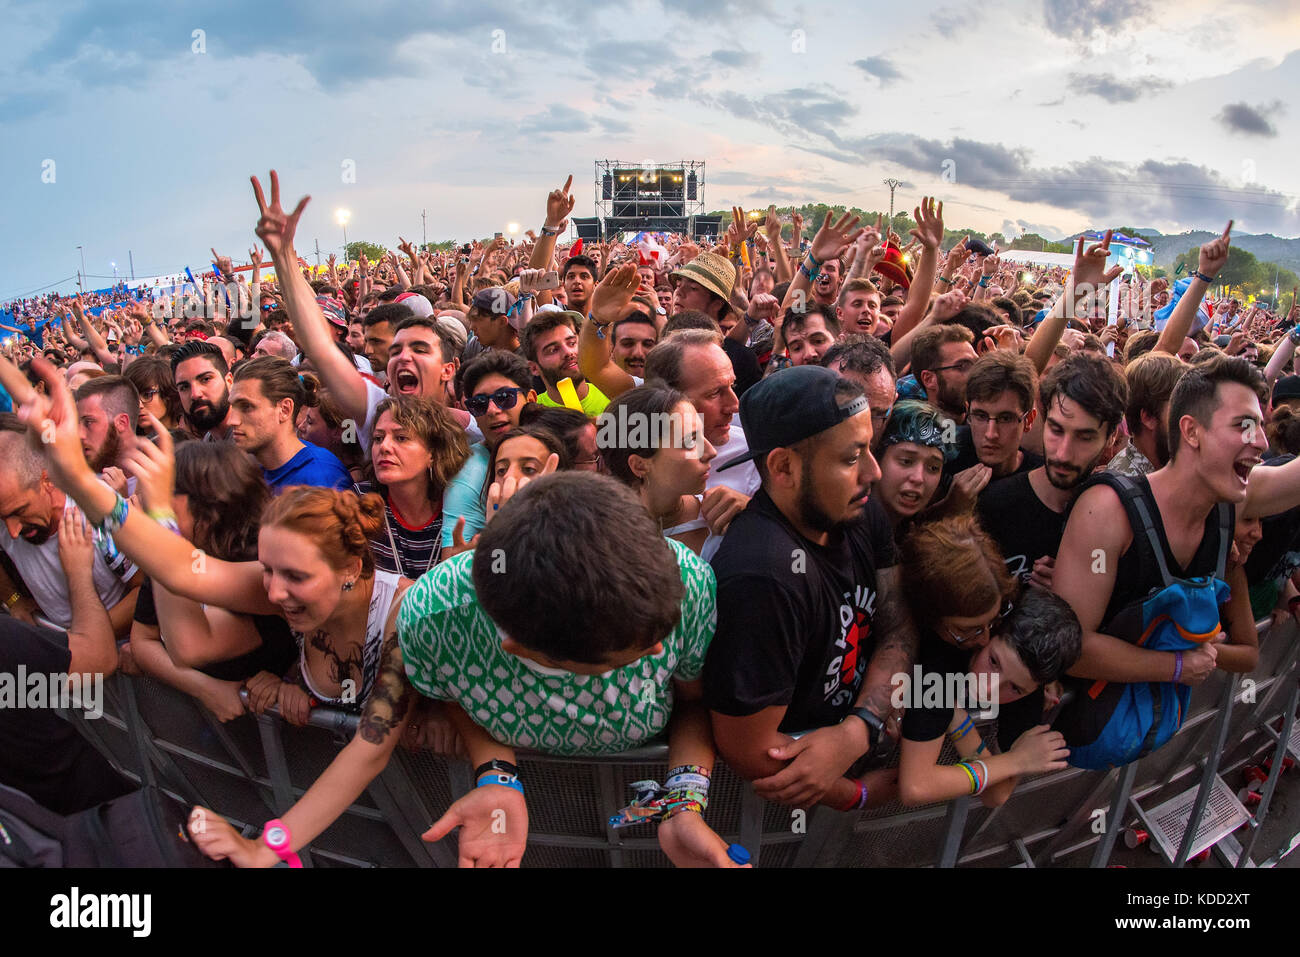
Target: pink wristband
{"x": 1178, "y": 666}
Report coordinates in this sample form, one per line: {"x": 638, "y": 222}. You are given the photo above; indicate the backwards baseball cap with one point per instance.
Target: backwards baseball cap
{"x": 416, "y": 303}
{"x": 788, "y": 407}
{"x": 1288, "y": 387}
{"x": 495, "y": 301}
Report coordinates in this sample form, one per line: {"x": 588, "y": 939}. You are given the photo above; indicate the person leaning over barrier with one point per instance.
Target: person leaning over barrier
{"x": 529, "y": 660}
{"x": 984, "y": 646}
{"x": 812, "y": 626}
{"x": 1105, "y": 564}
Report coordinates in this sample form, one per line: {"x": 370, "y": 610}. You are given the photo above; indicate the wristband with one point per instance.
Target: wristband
{"x": 277, "y": 837}
{"x": 965, "y": 728}
{"x": 13, "y": 599}
{"x": 549, "y": 231}
{"x": 1197, "y": 274}
{"x": 984, "y": 282}
{"x": 505, "y": 780}
{"x": 600, "y": 326}
{"x": 945, "y": 279}
{"x": 114, "y": 519}
{"x": 985, "y": 780}
{"x": 1178, "y": 666}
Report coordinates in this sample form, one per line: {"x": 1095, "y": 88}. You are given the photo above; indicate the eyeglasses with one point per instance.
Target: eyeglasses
{"x": 963, "y": 367}
{"x": 974, "y": 634}
{"x": 504, "y": 399}
{"x": 1004, "y": 420}
{"x": 148, "y": 395}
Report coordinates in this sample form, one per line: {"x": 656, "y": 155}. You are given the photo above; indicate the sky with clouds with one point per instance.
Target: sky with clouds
{"x": 1046, "y": 115}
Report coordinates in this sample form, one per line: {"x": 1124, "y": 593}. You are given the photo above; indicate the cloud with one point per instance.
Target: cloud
{"x": 730, "y": 57}
{"x": 1113, "y": 89}
{"x": 92, "y": 34}
{"x": 558, "y": 118}
{"x": 879, "y": 67}
{"x": 1080, "y": 19}
{"x": 1250, "y": 120}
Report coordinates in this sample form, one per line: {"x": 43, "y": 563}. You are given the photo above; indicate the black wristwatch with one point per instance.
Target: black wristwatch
{"x": 875, "y": 728}
{"x": 496, "y": 767}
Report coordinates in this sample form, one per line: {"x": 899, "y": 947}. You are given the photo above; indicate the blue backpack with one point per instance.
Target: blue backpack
{"x": 1107, "y": 723}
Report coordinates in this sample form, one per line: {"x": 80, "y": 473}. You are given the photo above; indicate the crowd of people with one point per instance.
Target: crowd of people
{"x": 572, "y": 499}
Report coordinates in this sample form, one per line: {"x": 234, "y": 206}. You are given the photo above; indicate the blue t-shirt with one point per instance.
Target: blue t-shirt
{"x": 312, "y": 465}
{"x": 463, "y": 497}
{"x": 34, "y": 332}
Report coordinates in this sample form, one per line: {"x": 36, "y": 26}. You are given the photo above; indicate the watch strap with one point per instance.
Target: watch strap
{"x": 501, "y": 767}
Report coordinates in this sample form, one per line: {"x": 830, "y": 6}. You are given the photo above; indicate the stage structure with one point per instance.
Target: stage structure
{"x": 651, "y": 197}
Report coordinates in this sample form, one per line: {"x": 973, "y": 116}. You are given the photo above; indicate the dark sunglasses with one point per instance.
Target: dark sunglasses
{"x": 505, "y": 400}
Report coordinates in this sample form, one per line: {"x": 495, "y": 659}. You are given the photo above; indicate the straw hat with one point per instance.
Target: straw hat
{"x": 711, "y": 271}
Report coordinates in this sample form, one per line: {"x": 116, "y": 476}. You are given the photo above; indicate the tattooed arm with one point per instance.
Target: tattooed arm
{"x": 383, "y": 720}
{"x": 896, "y": 644}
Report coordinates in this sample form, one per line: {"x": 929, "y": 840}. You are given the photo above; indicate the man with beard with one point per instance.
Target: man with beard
{"x": 1083, "y": 399}
{"x": 942, "y": 357}
{"x": 32, "y": 508}
{"x": 550, "y": 344}
{"x": 107, "y": 411}
{"x": 265, "y": 397}
{"x": 798, "y": 677}
{"x": 634, "y": 336}
{"x": 203, "y": 383}
{"x": 1151, "y": 380}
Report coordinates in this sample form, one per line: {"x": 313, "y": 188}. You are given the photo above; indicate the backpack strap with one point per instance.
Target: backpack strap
{"x": 1227, "y": 520}
{"x": 1137, "y": 507}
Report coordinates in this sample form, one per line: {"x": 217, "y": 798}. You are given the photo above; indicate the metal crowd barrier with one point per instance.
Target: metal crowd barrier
{"x": 254, "y": 767}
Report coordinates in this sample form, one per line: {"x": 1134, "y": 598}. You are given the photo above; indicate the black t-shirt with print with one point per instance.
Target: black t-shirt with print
{"x": 1016, "y": 518}
{"x": 794, "y": 618}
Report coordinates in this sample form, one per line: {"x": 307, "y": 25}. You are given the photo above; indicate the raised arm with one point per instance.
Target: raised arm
{"x": 559, "y": 204}
{"x": 97, "y": 343}
{"x": 1213, "y": 256}
{"x": 831, "y": 240}
{"x": 1088, "y": 277}
{"x": 168, "y": 558}
{"x": 610, "y": 302}
{"x": 776, "y": 252}
{"x": 276, "y": 229}
{"x": 929, "y": 232}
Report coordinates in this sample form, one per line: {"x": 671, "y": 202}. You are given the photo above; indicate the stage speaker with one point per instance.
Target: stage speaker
{"x": 691, "y": 186}
{"x": 607, "y": 186}
{"x": 588, "y": 228}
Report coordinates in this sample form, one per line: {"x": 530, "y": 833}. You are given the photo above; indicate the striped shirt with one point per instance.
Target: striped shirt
{"x": 417, "y": 548}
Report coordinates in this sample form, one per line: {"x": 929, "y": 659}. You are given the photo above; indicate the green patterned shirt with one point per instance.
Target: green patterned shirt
{"x": 452, "y": 652}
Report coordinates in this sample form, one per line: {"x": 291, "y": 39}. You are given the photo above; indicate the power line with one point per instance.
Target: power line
{"x": 51, "y": 285}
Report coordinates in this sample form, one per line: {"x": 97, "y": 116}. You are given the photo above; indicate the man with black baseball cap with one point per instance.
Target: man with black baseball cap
{"x": 812, "y": 626}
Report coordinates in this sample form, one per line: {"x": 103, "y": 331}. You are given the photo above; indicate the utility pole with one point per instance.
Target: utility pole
{"x": 318, "y": 252}
{"x": 81, "y": 250}
{"x": 893, "y": 184}
{"x": 424, "y": 230}
{"x": 131, "y": 259}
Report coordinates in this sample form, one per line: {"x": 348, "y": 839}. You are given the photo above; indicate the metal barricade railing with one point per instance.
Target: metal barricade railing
{"x": 254, "y": 767}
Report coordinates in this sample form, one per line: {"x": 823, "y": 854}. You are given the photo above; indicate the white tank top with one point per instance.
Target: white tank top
{"x": 381, "y": 602}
